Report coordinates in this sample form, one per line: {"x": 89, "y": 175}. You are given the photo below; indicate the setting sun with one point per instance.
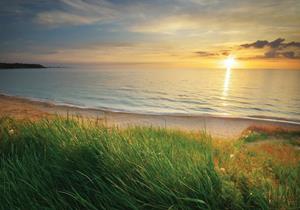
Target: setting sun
{"x": 229, "y": 62}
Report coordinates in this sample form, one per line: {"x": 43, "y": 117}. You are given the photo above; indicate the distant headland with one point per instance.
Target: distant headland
{"x": 21, "y": 66}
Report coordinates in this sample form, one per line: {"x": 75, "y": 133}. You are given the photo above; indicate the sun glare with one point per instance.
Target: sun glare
{"x": 229, "y": 62}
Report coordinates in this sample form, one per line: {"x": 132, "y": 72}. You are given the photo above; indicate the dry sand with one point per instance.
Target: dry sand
{"x": 221, "y": 127}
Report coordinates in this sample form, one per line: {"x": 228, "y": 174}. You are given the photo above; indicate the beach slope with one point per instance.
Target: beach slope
{"x": 223, "y": 127}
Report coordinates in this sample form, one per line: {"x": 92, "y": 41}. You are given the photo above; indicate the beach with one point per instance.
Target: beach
{"x": 218, "y": 126}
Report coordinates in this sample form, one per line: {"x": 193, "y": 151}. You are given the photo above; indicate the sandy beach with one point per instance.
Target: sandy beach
{"x": 222, "y": 127}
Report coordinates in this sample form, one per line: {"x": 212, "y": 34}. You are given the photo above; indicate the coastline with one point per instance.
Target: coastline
{"x": 217, "y": 126}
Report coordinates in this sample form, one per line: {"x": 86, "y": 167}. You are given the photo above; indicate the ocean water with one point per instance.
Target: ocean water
{"x": 234, "y": 92}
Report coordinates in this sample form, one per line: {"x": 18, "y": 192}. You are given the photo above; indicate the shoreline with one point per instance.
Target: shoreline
{"x": 217, "y": 126}
{"x": 107, "y": 110}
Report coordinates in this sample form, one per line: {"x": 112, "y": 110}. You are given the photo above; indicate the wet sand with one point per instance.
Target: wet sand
{"x": 221, "y": 127}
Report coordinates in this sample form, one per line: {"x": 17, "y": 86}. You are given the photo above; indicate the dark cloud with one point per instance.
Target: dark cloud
{"x": 289, "y": 54}
{"x": 225, "y": 52}
{"x": 271, "y": 54}
{"x": 276, "y": 44}
{"x": 293, "y": 44}
{"x": 211, "y": 54}
{"x": 269, "y": 50}
{"x": 275, "y": 49}
{"x": 205, "y": 53}
{"x": 257, "y": 44}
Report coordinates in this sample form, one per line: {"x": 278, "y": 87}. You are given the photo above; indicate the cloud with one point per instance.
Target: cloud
{"x": 205, "y": 54}
{"x": 257, "y": 44}
{"x": 274, "y": 49}
{"x": 264, "y": 43}
{"x": 172, "y": 16}
{"x": 225, "y": 52}
{"x": 77, "y": 12}
{"x": 165, "y": 25}
{"x": 55, "y": 18}
{"x": 293, "y": 44}
{"x": 276, "y": 54}
{"x": 261, "y": 49}
{"x": 276, "y": 44}
{"x": 271, "y": 54}
{"x": 212, "y": 54}
{"x": 289, "y": 54}
{"x": 217, "y": 53}
{"x": 222, "y": 17}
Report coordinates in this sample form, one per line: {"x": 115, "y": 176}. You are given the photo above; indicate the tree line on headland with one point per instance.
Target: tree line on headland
{"x": 20, "y": 66}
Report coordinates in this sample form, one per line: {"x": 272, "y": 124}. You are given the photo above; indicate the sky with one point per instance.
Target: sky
{"x": 154, "y": 33}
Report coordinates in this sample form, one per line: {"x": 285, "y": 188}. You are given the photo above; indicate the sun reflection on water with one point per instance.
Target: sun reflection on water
{"x": 226, "y": 82}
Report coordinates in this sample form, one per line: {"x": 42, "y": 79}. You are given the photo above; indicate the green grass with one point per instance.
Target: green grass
{"x": 254, "y": 137}
{"x": 254, "y": 134}
{"x": 67, "y": 164}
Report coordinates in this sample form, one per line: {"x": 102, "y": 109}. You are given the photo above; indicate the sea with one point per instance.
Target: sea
{"x": 249, "y": 93}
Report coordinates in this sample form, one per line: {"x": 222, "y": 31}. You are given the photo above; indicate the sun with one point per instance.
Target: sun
{"x": 229, "y": 62}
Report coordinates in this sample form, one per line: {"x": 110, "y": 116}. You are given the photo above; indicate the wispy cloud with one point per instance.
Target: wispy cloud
{"x": 78, "y": 12}
{"x": 223, "y": 17}
{"x": 55, "y": 18}
{"x": 172, "y": 16}
{"x": 218, "y": 53}
{"x": 206, "y": 54}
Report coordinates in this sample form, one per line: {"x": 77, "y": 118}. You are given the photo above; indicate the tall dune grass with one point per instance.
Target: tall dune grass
{"x": 67, "y": 164}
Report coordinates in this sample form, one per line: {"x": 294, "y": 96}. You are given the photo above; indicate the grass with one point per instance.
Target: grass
{"x": 69, "y": 164}
{"x": 259, "y": 133}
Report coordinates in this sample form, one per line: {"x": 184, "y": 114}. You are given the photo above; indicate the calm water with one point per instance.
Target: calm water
{"x": 268, "y": 93}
